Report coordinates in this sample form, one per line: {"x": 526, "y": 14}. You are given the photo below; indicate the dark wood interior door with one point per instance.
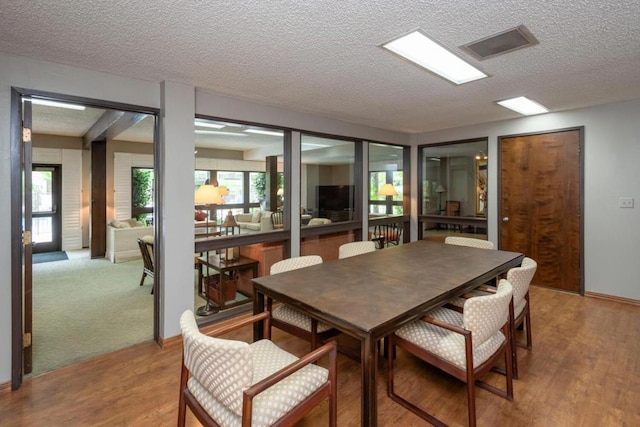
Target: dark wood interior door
{"x": 540, "y": 204}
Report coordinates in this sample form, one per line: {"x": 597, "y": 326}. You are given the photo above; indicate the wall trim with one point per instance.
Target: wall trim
{"x": 613, "y": 298}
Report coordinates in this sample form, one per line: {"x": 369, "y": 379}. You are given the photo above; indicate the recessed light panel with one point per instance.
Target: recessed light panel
{"x": 523, "y": 106}
{"x": 421, "y": 50}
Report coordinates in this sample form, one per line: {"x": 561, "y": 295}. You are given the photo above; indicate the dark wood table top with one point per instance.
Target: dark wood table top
{"x": 222, "y": 266}
{"x": 375, "y": 293}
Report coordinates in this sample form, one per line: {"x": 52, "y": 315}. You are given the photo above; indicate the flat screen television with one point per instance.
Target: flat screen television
{"x": 334, "y": 198}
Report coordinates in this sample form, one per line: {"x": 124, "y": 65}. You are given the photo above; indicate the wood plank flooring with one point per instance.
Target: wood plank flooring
{"x": 584, "y": 370}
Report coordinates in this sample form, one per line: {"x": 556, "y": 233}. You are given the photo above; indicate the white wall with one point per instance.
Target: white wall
{"x": 39, "y": 75}
{"x": 612, "y": 155}
{"x": 611, "y": 159}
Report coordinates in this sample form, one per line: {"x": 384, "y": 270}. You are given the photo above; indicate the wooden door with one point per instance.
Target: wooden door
{"x": 540, "y": 204}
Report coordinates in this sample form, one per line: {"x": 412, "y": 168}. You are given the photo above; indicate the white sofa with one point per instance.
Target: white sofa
{"x": 254, "y": 222}
{"x": 122, "y": 244}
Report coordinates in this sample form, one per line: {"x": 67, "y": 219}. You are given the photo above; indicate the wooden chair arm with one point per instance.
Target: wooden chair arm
{"x": 487, "y": 289}
{"x": 330, "y": 348}
{"x": 232, "y": 325}
{"x": 445, "y": 325}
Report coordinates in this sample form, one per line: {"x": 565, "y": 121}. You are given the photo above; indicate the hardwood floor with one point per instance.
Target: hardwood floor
{"x": 584, "y": 370}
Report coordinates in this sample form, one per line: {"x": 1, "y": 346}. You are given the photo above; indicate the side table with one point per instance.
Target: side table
{"x": 222, "y": 285}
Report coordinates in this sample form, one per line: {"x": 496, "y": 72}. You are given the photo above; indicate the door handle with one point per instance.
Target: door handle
{"x": 505, "y": 219}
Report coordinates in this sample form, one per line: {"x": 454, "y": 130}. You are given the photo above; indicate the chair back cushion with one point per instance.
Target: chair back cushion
{"x": 469, "y": 241}
{"x": 223, "y": 367}
{"x": 355, "y": 248}
{"x": 295, "y": 263}
{"x": 520, "y": 278}
{"x": 485, "y": 315}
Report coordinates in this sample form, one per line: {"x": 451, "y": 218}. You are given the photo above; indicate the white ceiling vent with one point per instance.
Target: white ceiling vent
{"x": 497, "y": 44}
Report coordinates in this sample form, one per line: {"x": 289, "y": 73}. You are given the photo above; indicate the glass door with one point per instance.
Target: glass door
{"x": 46, "y": 208}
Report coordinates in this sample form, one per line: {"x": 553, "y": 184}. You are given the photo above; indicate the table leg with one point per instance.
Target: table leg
{"x": 369, "y": 357}
{"x": 258, "y": 307}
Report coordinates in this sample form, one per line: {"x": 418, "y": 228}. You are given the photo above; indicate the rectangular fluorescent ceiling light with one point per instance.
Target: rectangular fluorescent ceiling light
{"x": 523, "y": 106}
{"x": 55, "y": 104}
{"x": 420, "y": 49}
{"x": 215, "y": 132}
{"x": 264, "y": 132}
{"x": 205, "y": 124}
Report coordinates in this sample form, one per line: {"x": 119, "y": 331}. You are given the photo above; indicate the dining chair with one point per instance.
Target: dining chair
{"x": 233, "y": 383}
{"x": 452, "y": 208}
{"x": 386, "y": 234}
{"x": 145, "y": 243}
{"x": 294, "y": 321}
{"x": 277, "y": 220}
{"x": 465, "y": 345}
{"x": 355, "y": 248}
{"x": 520, "y": 278}
{"x": 468, "y": 241}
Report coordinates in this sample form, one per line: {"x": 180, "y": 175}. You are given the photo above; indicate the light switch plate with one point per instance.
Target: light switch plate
{"x": 625, "y": 202}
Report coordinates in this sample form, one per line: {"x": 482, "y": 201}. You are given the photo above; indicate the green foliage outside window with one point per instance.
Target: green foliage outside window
{"x": 142, "y": 188}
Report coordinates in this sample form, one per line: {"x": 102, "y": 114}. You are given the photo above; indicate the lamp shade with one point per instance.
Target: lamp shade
{"x": 229, "y": 220}
{"x": 387, "y": 190}
{"x": 280, "y": 192}
{"x": 223, "y": 190}
{"x": 208, "y": 194}
{"x": 440, "y": 189}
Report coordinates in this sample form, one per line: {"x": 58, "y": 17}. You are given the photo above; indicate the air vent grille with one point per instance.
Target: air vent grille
{"x": 498, "y": 44}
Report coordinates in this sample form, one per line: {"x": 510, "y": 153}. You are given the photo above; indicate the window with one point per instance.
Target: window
{"x": 241, "y": 158}
{"x": 328, "y": 188}
{"x": 142, "y": 194}
{"x": 385, "y": 167}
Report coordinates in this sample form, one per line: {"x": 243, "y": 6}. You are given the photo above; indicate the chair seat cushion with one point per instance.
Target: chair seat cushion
{"x": 447, "y": 344}
{"x": 294, "y": 317}
{"x": 273, "y": 403}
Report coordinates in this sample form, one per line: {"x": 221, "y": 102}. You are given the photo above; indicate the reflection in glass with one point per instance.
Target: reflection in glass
{"x": 454, "y": 179}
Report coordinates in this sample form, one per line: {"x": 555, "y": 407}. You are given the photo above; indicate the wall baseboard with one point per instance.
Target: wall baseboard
{"x": 5, "y": 387}
{"x": 613, "y": 298}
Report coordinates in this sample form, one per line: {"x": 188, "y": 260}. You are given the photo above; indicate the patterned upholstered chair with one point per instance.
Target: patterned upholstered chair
{"x": 355, "y": 248}
{"x": 468, "y": 241}
{"x": 291, "y": 320}
{"x": 520, "y": 278}
{"x": 466, "y": 345}
{"x": 233, "y": 383}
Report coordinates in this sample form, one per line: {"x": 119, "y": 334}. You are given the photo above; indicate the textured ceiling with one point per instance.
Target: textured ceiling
{"x": 323, "y": 57}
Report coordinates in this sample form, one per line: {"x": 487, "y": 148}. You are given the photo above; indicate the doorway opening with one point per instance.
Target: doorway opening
{"x": 78, "y": 304}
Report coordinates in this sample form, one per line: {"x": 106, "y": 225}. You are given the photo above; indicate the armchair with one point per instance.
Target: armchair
{"x": 465, "y": 345}
{"x": 227, "y": 382}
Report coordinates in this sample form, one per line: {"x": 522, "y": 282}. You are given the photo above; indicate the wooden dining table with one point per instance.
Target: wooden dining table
{"x": 371, "y": 295}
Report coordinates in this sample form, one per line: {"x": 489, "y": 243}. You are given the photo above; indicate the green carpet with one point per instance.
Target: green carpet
{"x": 84, "y": 307}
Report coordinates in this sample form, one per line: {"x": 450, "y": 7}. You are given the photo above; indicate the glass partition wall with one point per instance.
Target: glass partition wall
{"x": 242, "y": 219}
{"x": 453, "y": 188}
{"x": 387, "y": 222}
{"x": 239, "y": 206}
